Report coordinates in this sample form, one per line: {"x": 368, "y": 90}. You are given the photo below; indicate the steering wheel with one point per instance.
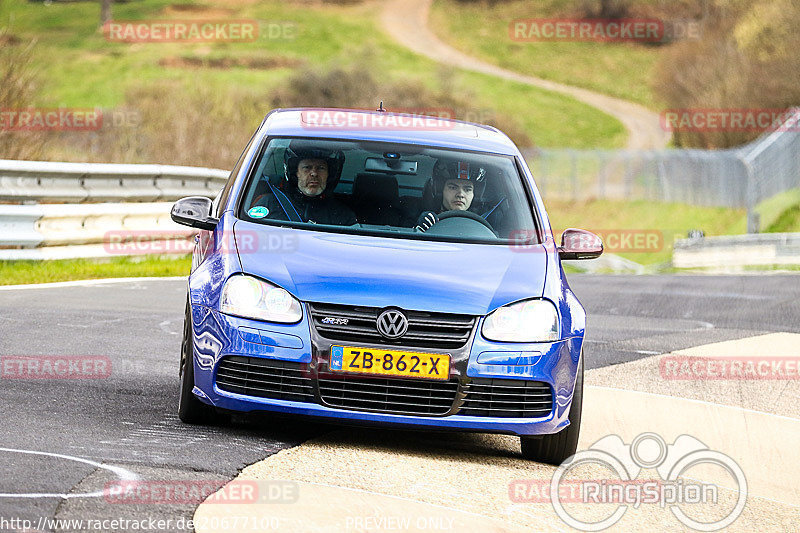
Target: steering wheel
{"x": 466, "y": 214}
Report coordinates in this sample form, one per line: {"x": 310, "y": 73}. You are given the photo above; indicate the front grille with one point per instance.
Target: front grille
{"x": 265, "y": 378}
{"x": 402, "y": 396}
{"x": 512, "y": 398}
{"x": 425, "y": 330}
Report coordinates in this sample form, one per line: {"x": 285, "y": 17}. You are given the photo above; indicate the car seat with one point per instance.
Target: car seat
{"x": 376, "y": 199}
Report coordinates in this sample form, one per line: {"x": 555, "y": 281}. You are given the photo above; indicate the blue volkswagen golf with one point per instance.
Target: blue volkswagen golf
{"x": 385, "y": 269}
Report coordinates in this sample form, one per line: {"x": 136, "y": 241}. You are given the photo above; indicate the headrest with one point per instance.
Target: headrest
{"x": 376, "y": 186}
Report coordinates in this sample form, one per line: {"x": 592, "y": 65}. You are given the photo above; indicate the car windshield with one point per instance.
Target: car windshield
{"x": 398, "y": 190}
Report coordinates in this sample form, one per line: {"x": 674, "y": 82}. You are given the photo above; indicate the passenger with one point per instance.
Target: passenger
{"x": 454, "y": 186}
{"x": 311, "y": 173}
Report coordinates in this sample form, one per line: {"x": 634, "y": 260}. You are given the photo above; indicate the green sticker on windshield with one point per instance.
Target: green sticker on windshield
{"x": 258, "y": 212}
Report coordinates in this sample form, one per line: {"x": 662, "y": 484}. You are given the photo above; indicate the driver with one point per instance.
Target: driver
{"x": 454, "y": 186}
{"x": 311, "y": 174}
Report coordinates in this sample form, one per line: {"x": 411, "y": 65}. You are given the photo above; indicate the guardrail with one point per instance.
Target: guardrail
{"x": 68, "y": 231}
{"x": 65, "y": 211}
{"x": 48, "y": 182}
{"x": 737, "y": 251}
{"x": 83, "y": 227}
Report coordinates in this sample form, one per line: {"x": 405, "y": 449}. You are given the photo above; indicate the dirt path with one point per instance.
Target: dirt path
{"x": 406, "y": 21}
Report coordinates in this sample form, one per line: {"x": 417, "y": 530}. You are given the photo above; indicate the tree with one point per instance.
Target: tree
{"x": 609, "y": 9}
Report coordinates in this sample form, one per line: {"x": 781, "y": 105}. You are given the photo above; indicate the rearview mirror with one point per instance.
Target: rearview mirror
{"x": 194, "y": 211}
{"x": 580, "y": 244}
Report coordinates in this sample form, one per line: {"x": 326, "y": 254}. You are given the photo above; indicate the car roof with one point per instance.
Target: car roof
{"x": 359, "y": 124}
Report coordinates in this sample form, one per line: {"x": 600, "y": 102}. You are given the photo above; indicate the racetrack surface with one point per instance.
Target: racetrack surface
{"x": 407, "y": 22}
{"x": 127, "y": 421}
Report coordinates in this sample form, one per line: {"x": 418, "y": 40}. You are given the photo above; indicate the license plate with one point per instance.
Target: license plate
{"x": 390, "y": 362}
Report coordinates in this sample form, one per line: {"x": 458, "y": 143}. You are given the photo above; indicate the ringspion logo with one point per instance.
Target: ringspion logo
{"x": 676, "y": 488}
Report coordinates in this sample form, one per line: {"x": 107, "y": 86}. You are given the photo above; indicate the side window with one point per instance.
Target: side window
{"x": 222, "y": 198}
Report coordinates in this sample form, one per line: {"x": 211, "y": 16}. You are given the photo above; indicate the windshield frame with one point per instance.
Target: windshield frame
{"x": 535, "y": 238}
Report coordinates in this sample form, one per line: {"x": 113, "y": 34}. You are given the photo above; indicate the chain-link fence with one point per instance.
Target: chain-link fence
{"x": 741, "y": 177}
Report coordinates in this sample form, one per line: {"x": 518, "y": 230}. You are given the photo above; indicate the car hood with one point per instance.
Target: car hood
{"x": 372, "y": 271}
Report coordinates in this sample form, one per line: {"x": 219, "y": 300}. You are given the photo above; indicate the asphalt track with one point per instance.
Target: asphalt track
{"x": 65, "y": 439}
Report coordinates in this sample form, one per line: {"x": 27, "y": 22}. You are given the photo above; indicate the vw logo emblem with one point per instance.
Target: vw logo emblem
{"x": 392, "y": 324}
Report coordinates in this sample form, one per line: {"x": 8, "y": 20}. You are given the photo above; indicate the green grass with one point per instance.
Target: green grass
{"x": 571, "y": 269}
{"x": 778, "y": 214}
{"x": 79, "y": 67}
{"x": 24, "y": 272}
{"x": 543, "y": 115}
{"x": 618, "y": 219}
{"x": 624, "y": 70}
{"x": 787, "y": 222}
{"x": 781, "y": 213}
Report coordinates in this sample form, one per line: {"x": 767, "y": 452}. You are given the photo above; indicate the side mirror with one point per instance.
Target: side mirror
{"x": 194, "y": 211}
{"x": 580, "y": 244}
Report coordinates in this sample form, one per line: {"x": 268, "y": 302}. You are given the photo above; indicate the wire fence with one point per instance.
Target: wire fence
{"x": 735, "y": 178}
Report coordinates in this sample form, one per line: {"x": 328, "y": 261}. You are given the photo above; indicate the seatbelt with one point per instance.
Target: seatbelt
{"x": 278, "y": 194}
{"x": 492, "y": 209}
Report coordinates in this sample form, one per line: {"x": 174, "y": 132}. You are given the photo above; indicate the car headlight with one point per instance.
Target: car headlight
{"x": 528, "y": 321}
{"x": 249, "y": 297}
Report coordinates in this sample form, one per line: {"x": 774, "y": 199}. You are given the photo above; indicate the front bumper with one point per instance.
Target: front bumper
{"x": 217, "y": 336}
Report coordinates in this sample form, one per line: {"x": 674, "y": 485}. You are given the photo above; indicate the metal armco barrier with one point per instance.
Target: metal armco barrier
{"x": 18, "y": 225}
{"x": 68, "y": 231}
{"x": 47, "y": 182}
{"x": 67, "y": 212}
{"x": 736, "y": 251}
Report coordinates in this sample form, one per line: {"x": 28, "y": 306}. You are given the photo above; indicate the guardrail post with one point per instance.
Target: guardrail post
{"x": 573, "y": 157}
{"x": 628, "y": 177}
{"x": 544, "y": 170}
{"x": 601, "y": 178}
{"x": 753, "y": 219}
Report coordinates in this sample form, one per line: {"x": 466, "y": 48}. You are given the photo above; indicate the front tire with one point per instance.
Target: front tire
{"x": 556, "y": 448}
{"x": 190, "y": 409}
